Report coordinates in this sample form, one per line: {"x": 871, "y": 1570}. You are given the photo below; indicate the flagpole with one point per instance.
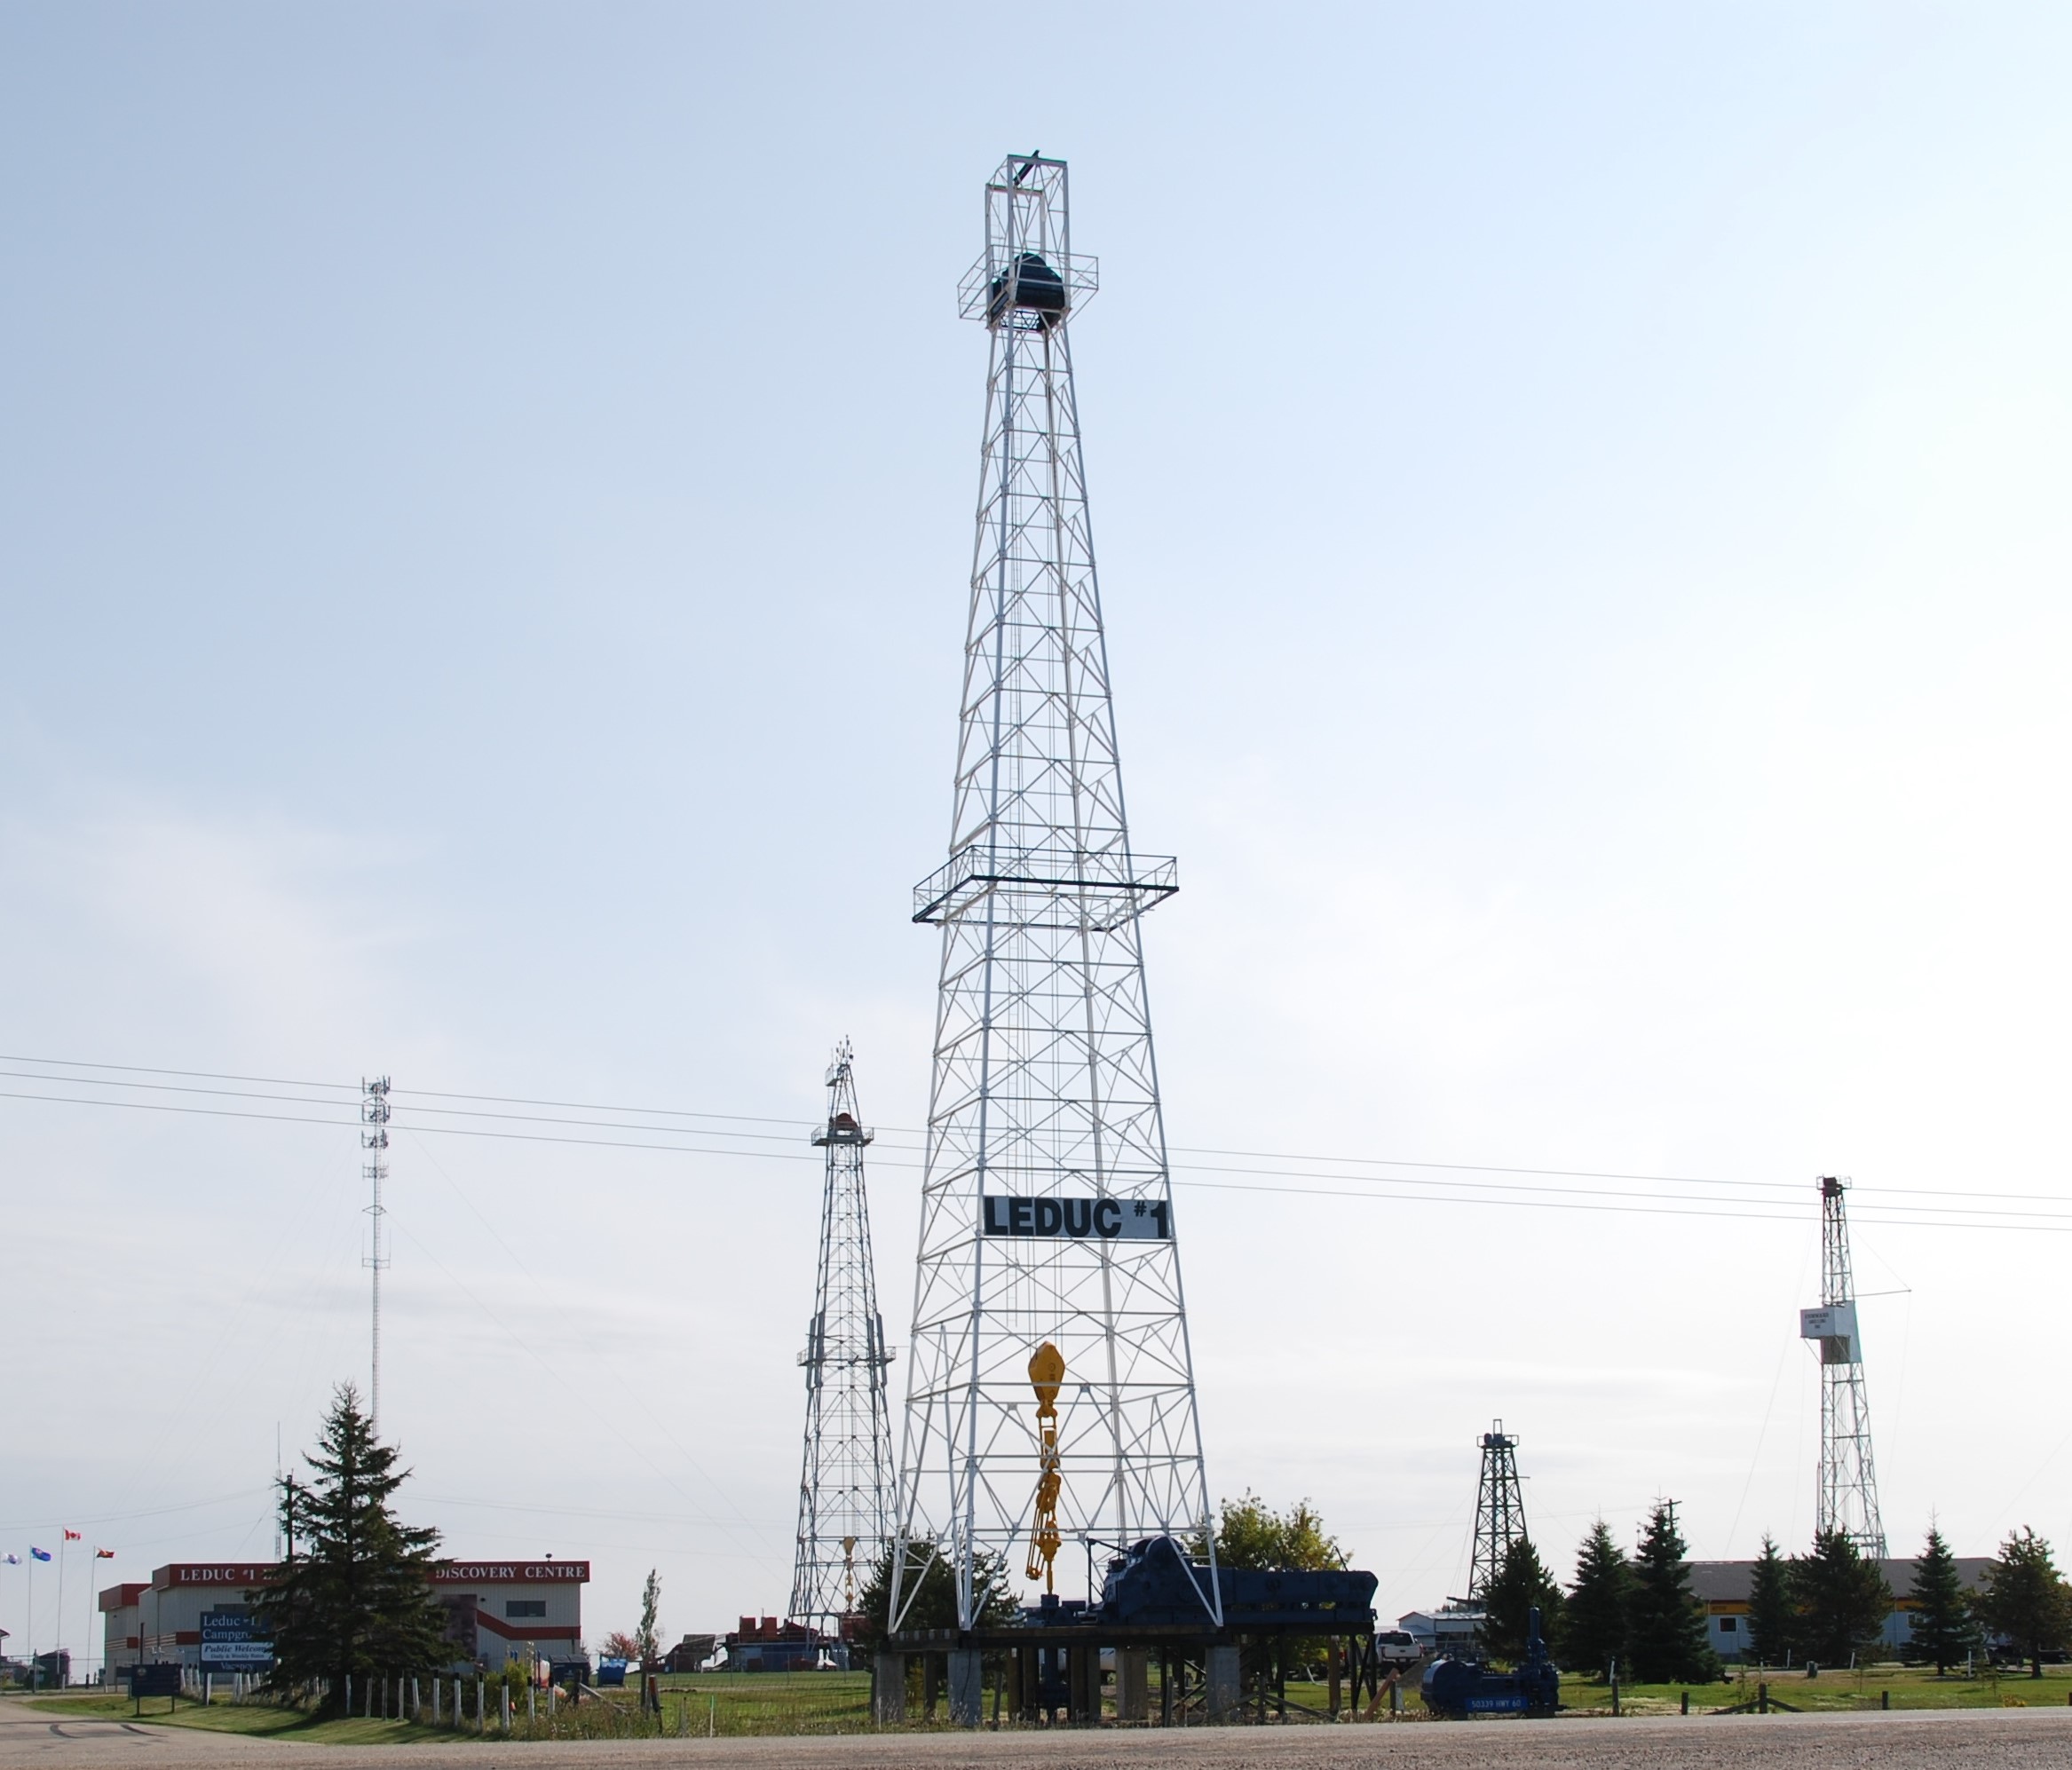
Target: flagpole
{"x": 58, "y": 1647}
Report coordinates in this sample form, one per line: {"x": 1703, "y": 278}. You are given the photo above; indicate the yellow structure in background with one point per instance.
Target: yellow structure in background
{"x": 1047, "y": 1374}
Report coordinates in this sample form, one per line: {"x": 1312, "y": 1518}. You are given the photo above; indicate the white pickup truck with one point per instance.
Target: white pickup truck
{"x": 1397, "y": 1647}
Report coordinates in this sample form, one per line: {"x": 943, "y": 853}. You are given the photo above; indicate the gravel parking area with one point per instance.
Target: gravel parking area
{"x": 2005, "y": 1740}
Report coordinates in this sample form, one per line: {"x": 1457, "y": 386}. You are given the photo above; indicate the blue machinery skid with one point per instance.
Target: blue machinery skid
{"x": 1156, "y": 1602}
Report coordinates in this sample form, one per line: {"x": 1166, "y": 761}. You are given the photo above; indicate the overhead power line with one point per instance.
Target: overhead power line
{"x": 1418, "y": 1182}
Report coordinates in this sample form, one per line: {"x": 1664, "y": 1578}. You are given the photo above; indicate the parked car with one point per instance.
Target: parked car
{"x": 1397, "y": 1647}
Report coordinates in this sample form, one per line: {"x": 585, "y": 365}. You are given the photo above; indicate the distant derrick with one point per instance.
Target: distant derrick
{"x": 845, "y": 1486}
{"x": 1499, "y": 1509}
{"x": 1848, "y": 1501}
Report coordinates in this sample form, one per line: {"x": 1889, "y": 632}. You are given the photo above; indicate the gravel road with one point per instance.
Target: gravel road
{"x": 2006, "y": 1740}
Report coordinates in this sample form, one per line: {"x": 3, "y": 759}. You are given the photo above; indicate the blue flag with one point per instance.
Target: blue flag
{"x": 14, "y": 1561}
{"x": 41, "y": 1554}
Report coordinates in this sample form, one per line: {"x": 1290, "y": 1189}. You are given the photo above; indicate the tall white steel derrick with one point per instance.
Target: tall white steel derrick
{"x": 845, "y": 1487}
{"x": 1848, "y": 1480}
{"x": 1047, "y": 1212}
{"x": 374, "y": 1138}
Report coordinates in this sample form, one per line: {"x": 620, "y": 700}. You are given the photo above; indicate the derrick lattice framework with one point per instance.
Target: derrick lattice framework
{"x": 1047, "y": 1228}
{"x": 1499, "y": 1509}
{"x": 1848, "y": 1501}
{"x": 845, "y": 1485}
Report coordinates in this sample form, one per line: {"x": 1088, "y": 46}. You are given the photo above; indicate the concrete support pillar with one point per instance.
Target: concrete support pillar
{"x": 889, "y": 1687}
{"x": 1222, "y": 1693}
{"x": 1083, "y": 1678}
{"x": 966, "y": 1687}
{"x": 1133, "y": 1685}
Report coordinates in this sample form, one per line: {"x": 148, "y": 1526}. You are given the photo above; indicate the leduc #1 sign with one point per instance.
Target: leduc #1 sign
{"x": 1136, "y": 1219}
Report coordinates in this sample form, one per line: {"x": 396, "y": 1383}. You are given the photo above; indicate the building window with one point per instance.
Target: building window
{"x": 1729, "y": 1625}
{"x": 524, "y": 1607}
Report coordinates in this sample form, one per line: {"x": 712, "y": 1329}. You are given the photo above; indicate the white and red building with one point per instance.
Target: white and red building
{"x": 496, "y": 1610}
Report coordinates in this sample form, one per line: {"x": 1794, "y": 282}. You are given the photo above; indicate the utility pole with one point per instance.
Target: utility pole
{"x": 845, "y": 1485}
{"x": 1499, "y": 1509}
{"x": 373, "y": 1138}
{"x": 1046, "y": 1285}
{"x": 1848, "y": 1501}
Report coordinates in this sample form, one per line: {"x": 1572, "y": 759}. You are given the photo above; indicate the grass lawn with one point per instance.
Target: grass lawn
{"x": 1911, "y": 1687}
{"x": 728, "y": 1705}
{"x": 736, "y": 1705}
{"x": 741, "y": 1702}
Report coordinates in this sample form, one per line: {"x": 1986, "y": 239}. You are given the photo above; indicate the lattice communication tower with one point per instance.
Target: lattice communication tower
{"x": 1050, "y": 1385}
{"x": 1848, "y": 1478}
{"x": 1499, "y": 1509}
{"x": 845, "y": 1487}
{"x": 374, "y": 1138}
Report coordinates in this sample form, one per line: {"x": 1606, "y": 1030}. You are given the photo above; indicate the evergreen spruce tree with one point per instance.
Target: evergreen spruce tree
{"x": 1842, "y": 1598}
{"x": 1668, "y": 1628}
{"x": 353, "y": 1599}
{"x": 1594, "y": 1625}
{"x": 932, "y": 1603}
{"x": 1522, "y": 1583}
{"x": 2027, "y": 1600}
{"x": 1943, "y": 1630}
{"x": 1773, "y": 1613}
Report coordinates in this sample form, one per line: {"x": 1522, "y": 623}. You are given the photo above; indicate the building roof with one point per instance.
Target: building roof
{"x": 1729, "y": 1582}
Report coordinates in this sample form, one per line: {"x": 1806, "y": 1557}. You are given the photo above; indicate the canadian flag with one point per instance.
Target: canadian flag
{"x": 74, "y": 1537}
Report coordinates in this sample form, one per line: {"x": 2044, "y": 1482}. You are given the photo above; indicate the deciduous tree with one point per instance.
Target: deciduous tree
{"x": 647, "y": 1638}
{"x": 1250, "y": 1534}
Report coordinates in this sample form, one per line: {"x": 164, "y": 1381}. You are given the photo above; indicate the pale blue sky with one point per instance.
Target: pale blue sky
{"x": 486, "y": 496}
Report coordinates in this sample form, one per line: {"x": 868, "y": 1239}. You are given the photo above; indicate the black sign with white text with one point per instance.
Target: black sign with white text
{"x": 1133, "y": 1220}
